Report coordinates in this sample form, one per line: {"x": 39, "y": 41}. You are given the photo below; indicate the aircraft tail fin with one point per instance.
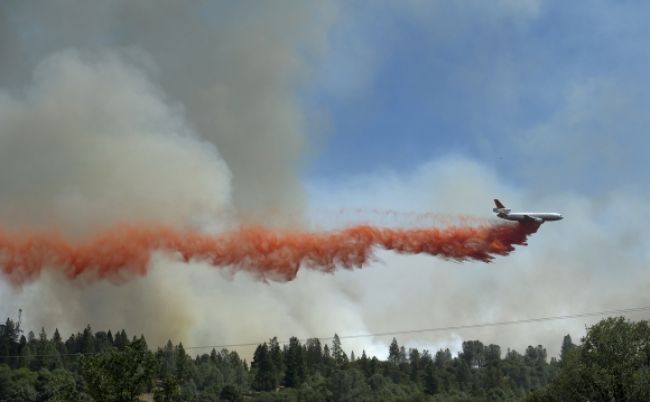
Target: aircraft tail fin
{"x": 500, "y": 209}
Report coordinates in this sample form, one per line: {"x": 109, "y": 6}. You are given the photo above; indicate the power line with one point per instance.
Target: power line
{"x": 402, "y": 332}
{"x": 449, "y": 328}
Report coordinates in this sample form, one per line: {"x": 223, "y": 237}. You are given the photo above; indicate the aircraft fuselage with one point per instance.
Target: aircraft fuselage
{"x": 537, "y": 217}
{"x": 526, "y": 216}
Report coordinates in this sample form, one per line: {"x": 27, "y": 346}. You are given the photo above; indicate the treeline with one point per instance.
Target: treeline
{"x": 316, "y": 372}
{"x": 612, "y": 363}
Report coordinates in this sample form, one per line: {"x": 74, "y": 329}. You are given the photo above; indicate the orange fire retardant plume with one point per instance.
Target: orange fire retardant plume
{"x": 122, "y": 252}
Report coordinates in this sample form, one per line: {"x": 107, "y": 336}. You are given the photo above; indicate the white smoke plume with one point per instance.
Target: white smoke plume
{"x": 593, "y": 260}
{"x": 187, "y": 113}
{"x": 156, "y": 111}
{"x": 93, "y": 142}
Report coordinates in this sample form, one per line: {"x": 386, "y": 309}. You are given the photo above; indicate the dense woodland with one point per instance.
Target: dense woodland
{"x": 611, "y": 363}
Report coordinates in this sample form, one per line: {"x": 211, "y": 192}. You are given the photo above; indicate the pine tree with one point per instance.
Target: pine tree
{"x": 295, "y": 364}
{"x": 340, "y": 358}
{"x": 443, "y": 358}
{"x": 492, "y": 355}
{"x": 414, "y": 359}
{"x": 431, "y": 385}
{"x": 328, "y": 361}
{"x": 364, "y": 363}
{"x": 40, "y": 350}
{"x": 262, "y": 365}
{"x": 182, "y": 363}
{"x": 8, "y": 341}
{"x": 102, "y": 342}
{"x": 26, "y": 358}
{"x": 87, "y": 341}
{"x": 567, "y": 347}
{"x": 373, "y": 366}
{"x": 393, "y": 352}
{"x": 277, "y": 359}
{"x": 47, "y": 356}
{"x": 42, "y": 336}
{"x": 167, "y": 358}
{"x": 121, "y": 340}
{"x": 314, "y": 355}
{"x": 142, "y": 340}
{"x": 58, "y": 342}
{"x": 71, "y": 344}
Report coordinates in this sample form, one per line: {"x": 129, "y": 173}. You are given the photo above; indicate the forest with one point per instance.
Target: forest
{"x": 612, "y": 362}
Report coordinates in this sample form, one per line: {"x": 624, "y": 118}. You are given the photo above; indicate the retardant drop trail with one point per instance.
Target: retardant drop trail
{"x": 122, "y": 252}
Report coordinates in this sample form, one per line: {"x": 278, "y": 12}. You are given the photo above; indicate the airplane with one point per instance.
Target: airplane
{"x": 537, "y": 217}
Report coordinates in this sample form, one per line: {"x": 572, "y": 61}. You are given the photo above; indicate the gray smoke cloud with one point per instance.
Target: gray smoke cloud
{"x": 93, "y": 142}
{"x": 188, "y": 114}
{"x": 234, "y": 69}
{"x": 152, "y": 111}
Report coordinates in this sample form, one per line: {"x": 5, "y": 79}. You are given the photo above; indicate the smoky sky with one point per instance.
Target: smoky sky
{"x": 181, "y": 114}
{"x": 199, "y": 114}
{"x": 231, "y": 68}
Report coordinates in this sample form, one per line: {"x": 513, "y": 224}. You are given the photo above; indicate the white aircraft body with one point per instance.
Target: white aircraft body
{"x": 537, "y": 217}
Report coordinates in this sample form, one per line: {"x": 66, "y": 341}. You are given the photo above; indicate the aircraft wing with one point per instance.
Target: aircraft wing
{"x": 534, "y": 218}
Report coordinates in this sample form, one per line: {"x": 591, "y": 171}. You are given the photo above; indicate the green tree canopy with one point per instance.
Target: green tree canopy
{"x": 119, "y": 375}
{"x": 612, "y": 364}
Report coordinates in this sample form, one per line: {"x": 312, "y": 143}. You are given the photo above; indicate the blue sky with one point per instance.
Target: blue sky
{"x": 558, "y": 85}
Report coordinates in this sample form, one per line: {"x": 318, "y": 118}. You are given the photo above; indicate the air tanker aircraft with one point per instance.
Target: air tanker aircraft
{"x": 537, "y": 217}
